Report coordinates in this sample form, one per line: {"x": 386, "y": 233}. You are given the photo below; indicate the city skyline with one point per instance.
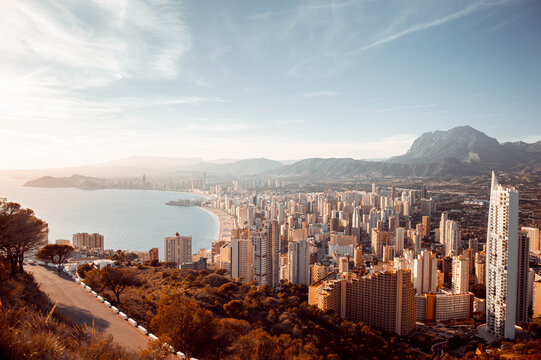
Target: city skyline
{"x": 86, "y": 80}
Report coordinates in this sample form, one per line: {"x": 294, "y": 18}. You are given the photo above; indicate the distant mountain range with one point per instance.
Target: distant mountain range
{"x": 461, "y": 151}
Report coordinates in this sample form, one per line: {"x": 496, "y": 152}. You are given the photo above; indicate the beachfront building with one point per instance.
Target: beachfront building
{"x": 178, "y": 249}
{"x": 88, "y": 241}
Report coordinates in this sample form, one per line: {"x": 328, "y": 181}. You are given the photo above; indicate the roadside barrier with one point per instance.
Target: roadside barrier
{"x": 75, "y": 277}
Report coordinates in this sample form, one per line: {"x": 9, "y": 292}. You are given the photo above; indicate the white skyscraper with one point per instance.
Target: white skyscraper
{"x": 452, "y": 237}
{"x": 502, "y": 260}
{"x": 442, "y": 227}
{"x": 424, "y": 273}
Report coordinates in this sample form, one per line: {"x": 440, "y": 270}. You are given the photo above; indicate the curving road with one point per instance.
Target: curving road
{"x": 81, "y": 307}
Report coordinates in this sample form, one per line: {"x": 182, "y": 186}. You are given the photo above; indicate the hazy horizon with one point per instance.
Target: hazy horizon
{"x": 87, "y": 82}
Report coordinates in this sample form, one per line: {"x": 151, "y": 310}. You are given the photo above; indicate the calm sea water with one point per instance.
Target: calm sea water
{"x": 128, "y": 219}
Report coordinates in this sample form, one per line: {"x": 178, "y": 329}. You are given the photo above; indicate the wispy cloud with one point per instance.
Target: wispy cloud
{"x": 324, "y": 93}
{"x": 427, "y": 25}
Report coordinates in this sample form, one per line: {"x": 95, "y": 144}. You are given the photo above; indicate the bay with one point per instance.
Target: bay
{"x": 135, "y": 220}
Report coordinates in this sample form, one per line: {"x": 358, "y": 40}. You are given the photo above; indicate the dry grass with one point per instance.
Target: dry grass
{"x": 29, "y": 328}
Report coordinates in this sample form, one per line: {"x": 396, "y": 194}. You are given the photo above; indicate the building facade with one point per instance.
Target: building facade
{"x": 88, "y": 241}
{"x": 178, "y": 249}
{"x": 502, "y": 260}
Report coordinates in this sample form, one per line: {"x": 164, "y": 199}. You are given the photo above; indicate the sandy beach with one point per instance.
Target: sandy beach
{"x": 227, "y": 223}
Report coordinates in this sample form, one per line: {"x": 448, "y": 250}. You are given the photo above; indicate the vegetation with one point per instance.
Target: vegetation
{"x": 208, "y": 316}
{"x": 20, "y": 232}
{"x": 30, "y": 329}
{"x": 55, "y": 253}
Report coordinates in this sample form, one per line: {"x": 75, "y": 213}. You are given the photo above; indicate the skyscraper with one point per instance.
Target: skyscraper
{"x": 298, "y": 262}
{"x": 178, "y": 249}
{"x": 267, "y": 255}
{"x": 242, "y": 259}
{"x": 399, "y": 240}
{"x": 522, "y": 277}
{"x": 452, "y": 237}
{"x": 502, "y": 260}
{"x": 424, "y": 273}
{"x": 461, "y": 274}
{"x": 442, "y": 227}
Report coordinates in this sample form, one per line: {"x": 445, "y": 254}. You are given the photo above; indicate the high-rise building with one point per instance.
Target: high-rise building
{"x": 426, "y": 227}
{"x": 452, "y": 238}
{"x": 178, "y": 249}
{"x": 298, "y": 262}
{"x": 242, "y": 260}
{"x": 358, "y": 256}
{"x": 461, "y": 274}
{"x": 267, "y": 255}
{"x": 385, "y": 300}
{"x": 480, "y": 268}
{"x": 343, "y": 265}
{"x": 377, "y": 243}
{"x": 426, "y": 207}
{"x": 424, "y": 272}
{"x": 388, "y": 253}
{"x": 442, "y": 227}
{"x": 424, "y": 193}
{"x": 533, "y": 237}
{"x": 502, "y": 260}
{"x": 399, "y": 240}
{"x": 318, "y": 272}
{"x": 522, "y": 277}
{"x": 88, "y": 241}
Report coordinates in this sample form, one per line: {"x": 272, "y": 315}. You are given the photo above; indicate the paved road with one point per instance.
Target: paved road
{"x": 83, "y": 308}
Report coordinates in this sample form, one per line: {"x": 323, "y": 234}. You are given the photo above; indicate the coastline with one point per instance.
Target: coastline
{"x": 226, "y": 221}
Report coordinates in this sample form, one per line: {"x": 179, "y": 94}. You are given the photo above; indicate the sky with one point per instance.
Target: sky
{"x": 87, "y": 81}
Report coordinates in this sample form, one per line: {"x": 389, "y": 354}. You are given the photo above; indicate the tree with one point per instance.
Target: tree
{"x": 93, "y": 278}
{"x": 20, "y": 232}
{"x": 186, "y": 325}
{"x": 83, "y": 269}
{"x": 117, "y": 280}
{"x": 55, "y": 253}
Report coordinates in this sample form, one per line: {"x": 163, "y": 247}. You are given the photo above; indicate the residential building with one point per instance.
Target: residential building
{"x": 178, "y": 249}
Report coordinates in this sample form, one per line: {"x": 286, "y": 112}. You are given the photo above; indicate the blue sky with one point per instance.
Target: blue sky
{"x": 89, "y": 81}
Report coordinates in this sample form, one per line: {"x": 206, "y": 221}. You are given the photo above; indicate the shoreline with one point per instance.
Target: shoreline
{"x": 226, "y": 223}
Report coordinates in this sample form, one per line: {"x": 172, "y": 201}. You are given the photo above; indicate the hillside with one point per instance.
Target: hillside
{"x": 210, "y": 316}
{"x": 30, "y": 328}
{"x": 461, "y": 151}
{"x": 76, "y": 181}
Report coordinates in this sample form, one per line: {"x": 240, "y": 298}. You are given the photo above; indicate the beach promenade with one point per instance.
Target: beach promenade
{"x": 227, "y": 223}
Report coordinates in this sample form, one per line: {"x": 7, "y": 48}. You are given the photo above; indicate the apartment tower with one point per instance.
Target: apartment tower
{"x": 502, "y": 260}
{"x": 178, "y": 249}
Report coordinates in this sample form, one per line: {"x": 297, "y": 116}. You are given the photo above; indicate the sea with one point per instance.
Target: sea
{"x": 135, "y": 220}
